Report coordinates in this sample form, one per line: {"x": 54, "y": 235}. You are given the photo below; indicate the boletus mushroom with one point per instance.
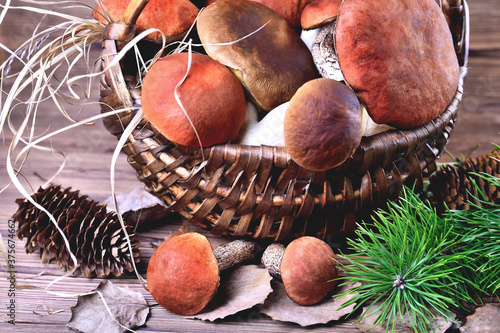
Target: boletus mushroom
{"x": 323, "y": 124}
{"x": 398, "y": 56}
{"x": 172, "y": 17}
{"x": 183, "y": 272}
{"x": 212, "y": 101}
{"x": 306, "y": 267}
{"x": 259, "y": 46}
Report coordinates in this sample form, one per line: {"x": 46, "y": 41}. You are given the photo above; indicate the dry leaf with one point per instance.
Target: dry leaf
{"x": 89, "y": 315}
{"x": 138, "y": 207}
{"x": 245, "y": 287}
{"x": 486, "y": 319}
{"x": 280, "y": 307}
{"x": 366, "y": 325}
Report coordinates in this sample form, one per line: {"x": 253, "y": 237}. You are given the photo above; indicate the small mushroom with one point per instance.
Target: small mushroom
{"x": 212, "y": 100}
{"x": 259, "y": 46}
{"x": 399, "y": 57}
{"x": 172, "y": 17}
{"x": 306, "y": 267}
{"x": 318, "y": 13}
{"x": 183, "y": 272}
{"x": 323, "y": 124}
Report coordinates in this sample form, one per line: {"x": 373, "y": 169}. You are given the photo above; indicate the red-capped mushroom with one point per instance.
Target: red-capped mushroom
{"x": 398, "y": 56}
{"x": 323, "y": 124}
{"x": 212, "y": 99}
{"x": 172, "y": 17}
{"x": 183, "y": 272}
{"x": 306, "y": 267}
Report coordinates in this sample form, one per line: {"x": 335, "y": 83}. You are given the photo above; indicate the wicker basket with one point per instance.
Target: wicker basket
{"x": 260, "y": 192}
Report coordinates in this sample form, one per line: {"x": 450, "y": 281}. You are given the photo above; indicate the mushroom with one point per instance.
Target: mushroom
{"x": 183, "y": 272}
{"x": 323, "y": 124}
{"x": 318, "y": 13}
{"x": 305, "y": 14}
{"x": 212, "y": 107}
{"x": 259, "y": 46}
{"x": 172, "y": 17}
{"x": 306, "y": 267}
{"x": 398, "y": 56}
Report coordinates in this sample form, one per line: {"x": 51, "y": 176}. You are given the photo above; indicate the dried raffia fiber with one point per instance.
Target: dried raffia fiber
{"x": 95, "y": 236}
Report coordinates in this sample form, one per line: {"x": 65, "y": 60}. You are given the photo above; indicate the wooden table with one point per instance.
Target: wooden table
{"x": 88, "y": 152}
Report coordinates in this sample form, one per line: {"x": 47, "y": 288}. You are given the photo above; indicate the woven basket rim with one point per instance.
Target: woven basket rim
{"x": 370, "y": 172}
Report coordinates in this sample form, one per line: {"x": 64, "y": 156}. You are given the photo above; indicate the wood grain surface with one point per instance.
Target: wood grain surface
{"x": 87, "y": 154}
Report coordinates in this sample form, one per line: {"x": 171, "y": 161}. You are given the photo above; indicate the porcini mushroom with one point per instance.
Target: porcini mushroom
{"x": 212, "y": 107}
{"x": 183, "y": 272}
{"x": 306, "y": 267}
{"x": 398, "y": 56}
{"x": 323, "y": 124}
{"x": 172, "y": 17}
{"x": 259, "y": 46}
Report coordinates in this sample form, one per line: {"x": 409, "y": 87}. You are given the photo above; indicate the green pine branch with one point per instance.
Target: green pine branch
{"x": 414, "y": 261}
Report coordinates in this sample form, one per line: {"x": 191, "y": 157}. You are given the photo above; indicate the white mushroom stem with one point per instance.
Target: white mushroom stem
{"x": 271, "y": 259}
{"x": 309, "y": 36}
{"x": 370, "y": 127}
{"x": 268, "y": 131}
{"x": 235, "y": 253}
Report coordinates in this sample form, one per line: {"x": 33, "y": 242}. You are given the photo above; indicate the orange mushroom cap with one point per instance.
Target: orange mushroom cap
{"x": 172, "y": 17}
{"x": 183, "y": 274}
{"x": 211, "y": 95}
{"x": 307, "y": 270}
{"x": 319, "y": 12}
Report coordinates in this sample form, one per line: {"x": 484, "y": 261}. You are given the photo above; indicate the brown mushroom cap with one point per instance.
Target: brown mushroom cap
{"x": 290, "y": 10}
{"x": 319, "y": 12}
{"x": 398, "y": 55}
{"x": 323, "y": 124}
{"x": 183, "y": 274}
{"x": 211, "y": 95}
{"x": 272, "y": 62}
{"x": 307, "y": 270}
{"x": 173, "y": 17}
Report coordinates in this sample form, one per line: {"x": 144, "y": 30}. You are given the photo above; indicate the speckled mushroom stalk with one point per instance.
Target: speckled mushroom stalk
{"x": 306, "y": 267}
{"x": 235, "y": 253}
{"x": 183, "y": 272}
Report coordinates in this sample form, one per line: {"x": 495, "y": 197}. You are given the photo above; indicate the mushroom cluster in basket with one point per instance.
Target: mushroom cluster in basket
{"x": 313, "y": 76}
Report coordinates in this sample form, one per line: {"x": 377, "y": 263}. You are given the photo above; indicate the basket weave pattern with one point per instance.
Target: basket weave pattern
{"x": 258, "y": 191}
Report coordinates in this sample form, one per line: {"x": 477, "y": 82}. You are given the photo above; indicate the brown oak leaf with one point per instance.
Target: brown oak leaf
{"x": 128, "y": 309}
{"x": 280, "y": 307}
{"x": 139, "y": 208}
{"x": 243, "y": 288}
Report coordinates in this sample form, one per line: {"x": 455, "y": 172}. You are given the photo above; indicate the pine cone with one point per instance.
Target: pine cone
{"x": 95, "y": 237}
{"x": 453, "y": 186}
